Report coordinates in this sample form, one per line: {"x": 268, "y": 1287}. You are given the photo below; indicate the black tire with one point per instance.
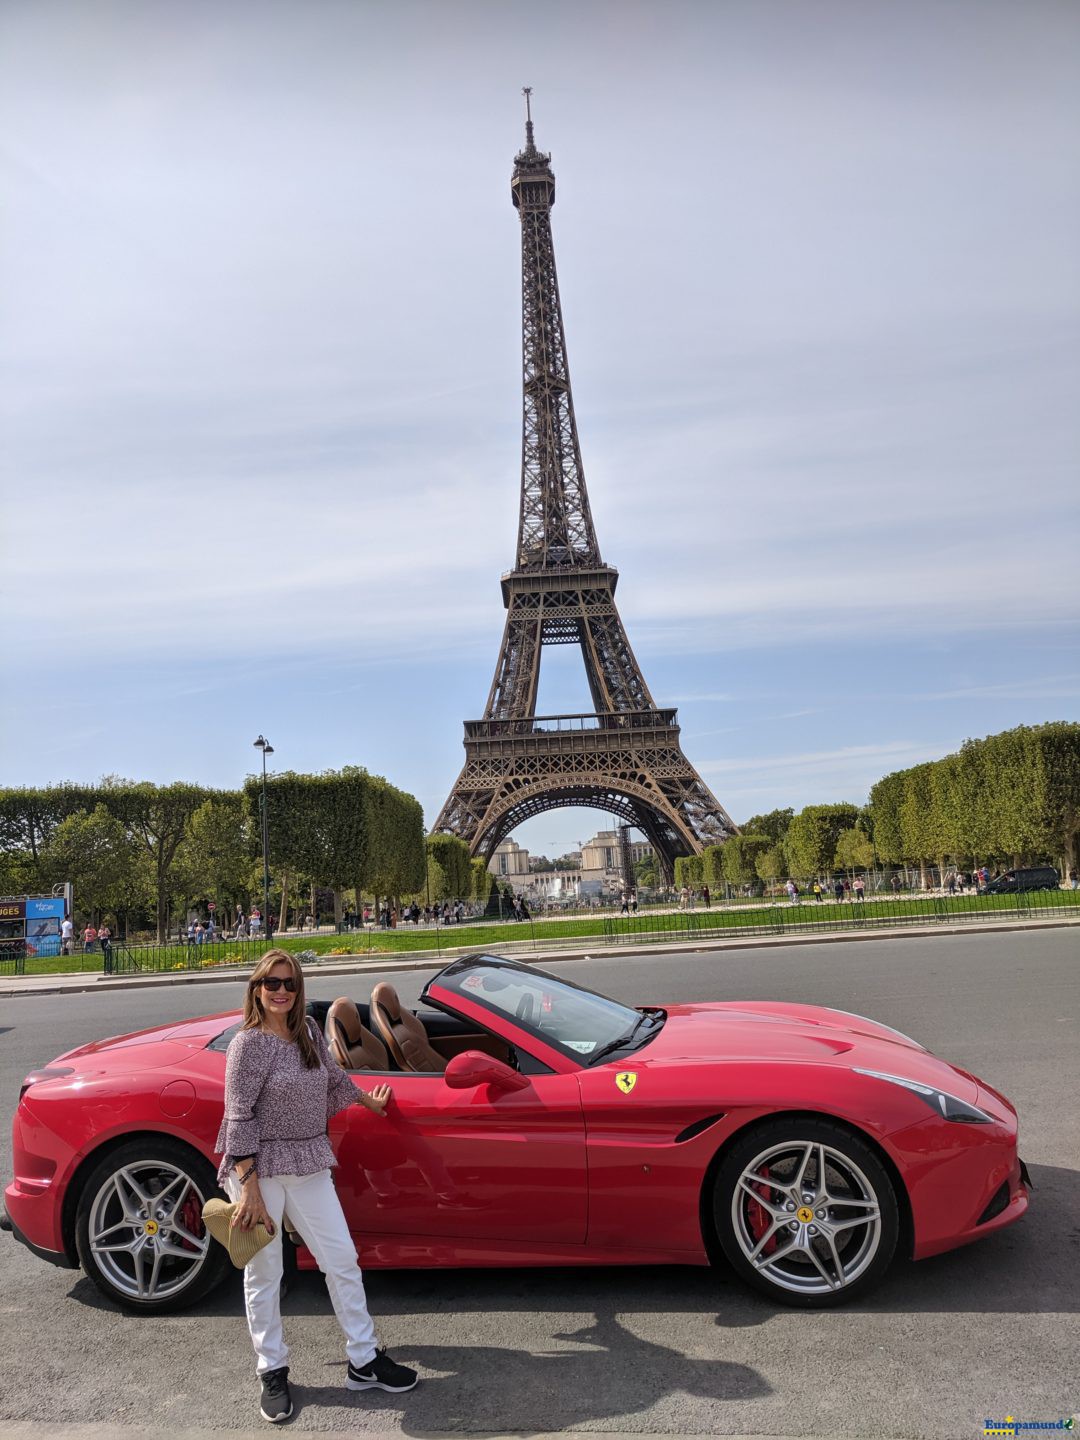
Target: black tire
{"x": 156, "y": 1161}
{"x": 857, "y": 1184}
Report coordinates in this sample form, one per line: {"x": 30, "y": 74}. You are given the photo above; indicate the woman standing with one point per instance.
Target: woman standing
{"x": 281, "y": 1089}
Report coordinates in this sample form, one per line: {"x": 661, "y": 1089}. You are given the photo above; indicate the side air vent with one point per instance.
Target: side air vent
{"x": 997, "y": 1204}
{"x": 697, "y": 1128}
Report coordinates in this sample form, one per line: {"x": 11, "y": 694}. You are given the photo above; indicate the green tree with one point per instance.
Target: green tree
{"x": 214, "y": 861}
{"x": 647, "y": 873}
{"x": 712, "y": 865}
{"x": 810, "y": 843}
{"x": 109, "y": 873}
{"x": 774, "y": 825}
{"x": 916, "y": 818}
{"x": 1057, "y": 799}
{"x": 689, "y": 871}
{"x": 739, "y": 857}
{"x": 886, "y": 798}
{"x": 481, "y": 879}
{"x": 771, "y": 864}
{"x": 854, "y": 850}
{"x": 455, "y": 862}
{"x": 28, "y": 818}
{"x": 156, "y": 817}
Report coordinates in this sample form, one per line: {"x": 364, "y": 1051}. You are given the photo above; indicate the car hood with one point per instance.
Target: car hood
{"x": 789, "y": 1034}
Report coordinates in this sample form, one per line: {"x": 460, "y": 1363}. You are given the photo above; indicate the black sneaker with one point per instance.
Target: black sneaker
{"x": 276, "y": 1400}
{"x": 381, "y": 1373}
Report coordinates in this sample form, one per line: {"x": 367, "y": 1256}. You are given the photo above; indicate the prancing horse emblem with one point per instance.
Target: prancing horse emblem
{"x": 626, "y": 1080}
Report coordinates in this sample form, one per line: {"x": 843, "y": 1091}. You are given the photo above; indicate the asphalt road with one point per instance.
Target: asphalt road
{"x": 986, "y": 1331}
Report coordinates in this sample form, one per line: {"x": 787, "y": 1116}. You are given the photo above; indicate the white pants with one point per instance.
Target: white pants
{"x": 315, "y": 1210}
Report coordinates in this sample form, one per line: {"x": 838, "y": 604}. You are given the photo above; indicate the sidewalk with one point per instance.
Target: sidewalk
{"x": 589, "y": 948}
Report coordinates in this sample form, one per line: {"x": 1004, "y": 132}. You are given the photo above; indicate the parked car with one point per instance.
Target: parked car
{"x": 534, "y": 1122}
{"x": 1012, "y": 882}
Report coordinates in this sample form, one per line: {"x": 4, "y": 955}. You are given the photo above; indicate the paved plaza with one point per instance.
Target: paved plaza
{"x": 985, "y": 1331}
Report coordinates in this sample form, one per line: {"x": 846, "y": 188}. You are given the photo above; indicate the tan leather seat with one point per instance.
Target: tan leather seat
{"x": 403, "y": 1034}
{"x": 351, "y": 1043}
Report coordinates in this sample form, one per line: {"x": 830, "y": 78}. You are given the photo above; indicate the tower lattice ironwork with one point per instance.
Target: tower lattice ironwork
{"x": 625, "y": 756}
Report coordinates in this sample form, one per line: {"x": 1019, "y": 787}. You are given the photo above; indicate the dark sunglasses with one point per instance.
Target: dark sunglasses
{"x": 273, "y": 983}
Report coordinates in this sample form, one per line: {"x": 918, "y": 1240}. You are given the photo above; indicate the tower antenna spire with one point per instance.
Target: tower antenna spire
{"x": 527, "y": 92}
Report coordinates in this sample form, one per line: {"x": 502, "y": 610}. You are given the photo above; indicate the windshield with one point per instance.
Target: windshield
{"x": 583, "y": 1025}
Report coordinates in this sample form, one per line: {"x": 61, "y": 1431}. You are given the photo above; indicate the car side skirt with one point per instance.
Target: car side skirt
{"x": 404, "y": 1252}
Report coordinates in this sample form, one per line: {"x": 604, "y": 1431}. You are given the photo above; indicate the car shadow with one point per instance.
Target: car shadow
{"x": 495, "y": 1388}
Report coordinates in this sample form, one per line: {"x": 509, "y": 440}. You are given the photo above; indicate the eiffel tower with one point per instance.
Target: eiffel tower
{"x": 625, "y": 756}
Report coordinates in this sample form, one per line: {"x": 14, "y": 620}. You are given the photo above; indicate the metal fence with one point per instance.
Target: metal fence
{"x": 810, "y": 915}
{"x": 538, "y": 934}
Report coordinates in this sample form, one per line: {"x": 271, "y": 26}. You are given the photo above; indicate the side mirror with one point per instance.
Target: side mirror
{"x": 472, "y": 1068}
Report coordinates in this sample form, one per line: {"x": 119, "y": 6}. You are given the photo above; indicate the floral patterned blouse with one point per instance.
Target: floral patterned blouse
{"x": 276, "y": 1108}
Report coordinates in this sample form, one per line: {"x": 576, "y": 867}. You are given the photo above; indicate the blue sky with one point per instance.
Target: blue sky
{"x": 820, "y": 268}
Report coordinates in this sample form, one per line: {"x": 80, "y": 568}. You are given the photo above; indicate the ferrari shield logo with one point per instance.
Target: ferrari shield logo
{"x": 626, "y": 1080}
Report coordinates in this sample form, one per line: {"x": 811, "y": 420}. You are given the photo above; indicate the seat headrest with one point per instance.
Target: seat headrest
{"x": 404, "y": 1030}
{"x": 350, "y": 1042}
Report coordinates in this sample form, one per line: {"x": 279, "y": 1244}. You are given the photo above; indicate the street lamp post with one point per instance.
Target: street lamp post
{"x": 267, "y": 749}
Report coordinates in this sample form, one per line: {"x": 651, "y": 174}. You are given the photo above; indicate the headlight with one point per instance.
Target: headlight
{"x": 949, "y": 1107}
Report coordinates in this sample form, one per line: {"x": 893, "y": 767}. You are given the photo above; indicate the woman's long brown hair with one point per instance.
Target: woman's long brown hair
{"x": 255, "y": 1014}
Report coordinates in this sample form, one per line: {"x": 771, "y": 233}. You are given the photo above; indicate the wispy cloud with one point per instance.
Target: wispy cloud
{"x": 1049, "y": 687}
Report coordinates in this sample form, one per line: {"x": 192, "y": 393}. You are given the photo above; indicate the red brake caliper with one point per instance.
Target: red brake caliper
{"x": 759, "y": 1219}
{"x": 191, "y": 1214}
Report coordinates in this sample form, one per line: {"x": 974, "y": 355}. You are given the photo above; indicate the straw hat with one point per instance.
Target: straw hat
{"x": 242, "y": 1245}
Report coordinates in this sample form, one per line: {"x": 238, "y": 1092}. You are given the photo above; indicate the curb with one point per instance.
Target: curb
{"x": 432, "y": 959}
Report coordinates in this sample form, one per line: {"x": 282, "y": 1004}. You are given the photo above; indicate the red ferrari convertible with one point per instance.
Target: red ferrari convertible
{"x": 537, "y": 1123}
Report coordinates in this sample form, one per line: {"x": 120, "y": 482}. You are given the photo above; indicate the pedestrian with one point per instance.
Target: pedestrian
{"x": 625, "y": 910}
{"x": 706, "y": 895}
{"x": 67, "y": 936}
{"x": 282, "y": 1084}
{"x": 792, "y": 891}
{"x": 895, "y": 883}
{"x": 200, "y": 934}
{"x": 838, "y": 891}
{"x": 1074, "y": 878}
{"x": 104, "y": 936}
{"x": 89, "y": 937}
{"x": 859, "y": 887}
{"x": 816, "y": 887}
{"x": 633, "y": 902}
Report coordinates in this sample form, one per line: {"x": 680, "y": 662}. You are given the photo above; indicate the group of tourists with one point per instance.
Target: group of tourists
{"x": 688, "y": 897}
{"x": 389, "y": 915}
{"x": 94, "y": 936}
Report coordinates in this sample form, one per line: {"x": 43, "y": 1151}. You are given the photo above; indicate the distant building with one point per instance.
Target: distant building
{"x": 602, "y": 851}
{"x": 509, "y": 861}
{"x": 601, "y": 870}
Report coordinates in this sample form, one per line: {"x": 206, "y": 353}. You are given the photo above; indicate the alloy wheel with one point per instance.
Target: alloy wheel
{"x": 806, "y": 1217}
{"x": 146, "y": 1232}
